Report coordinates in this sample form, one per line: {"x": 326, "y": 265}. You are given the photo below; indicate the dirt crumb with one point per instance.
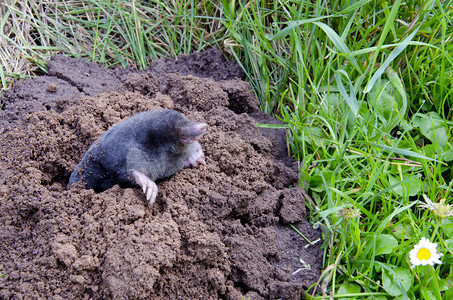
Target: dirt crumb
{"x": 215, "y": 232}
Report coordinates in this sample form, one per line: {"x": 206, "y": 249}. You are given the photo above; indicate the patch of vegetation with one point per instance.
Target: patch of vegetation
{"x": 126, "y": 33}
{"x": 365, "y": 90}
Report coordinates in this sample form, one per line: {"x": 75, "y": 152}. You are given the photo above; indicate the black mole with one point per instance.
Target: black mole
{"x": 140, "y": 150}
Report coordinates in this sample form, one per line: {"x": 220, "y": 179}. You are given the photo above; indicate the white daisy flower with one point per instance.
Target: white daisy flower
{"x": 425, "y": 253}
{"x": 440, "y": 209}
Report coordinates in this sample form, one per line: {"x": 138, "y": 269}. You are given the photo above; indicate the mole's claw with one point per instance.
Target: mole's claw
{"x": 149, "y": 193}
{"x": 153, "y": 197}
{"x": 149, "y": 187}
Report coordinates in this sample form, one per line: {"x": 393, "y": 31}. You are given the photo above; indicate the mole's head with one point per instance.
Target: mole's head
{"x": 169, "y": 127}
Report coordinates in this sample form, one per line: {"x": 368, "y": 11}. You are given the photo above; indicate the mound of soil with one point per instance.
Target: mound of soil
{"x": 218, "y": 231}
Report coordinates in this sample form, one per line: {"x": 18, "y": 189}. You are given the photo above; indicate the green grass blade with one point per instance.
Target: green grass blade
{"x": 3, "y": 78}
{"x": 388, "y": 25}
{"x": 351, "y": 98}
{"x": 394, "y": 54}
{"x": 340, "y": 44}
{"x": 292, "y": 25}
{"x": 404, "y": 152}
{"x": 387, "y": 219}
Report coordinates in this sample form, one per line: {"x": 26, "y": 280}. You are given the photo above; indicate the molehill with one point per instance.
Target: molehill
{"x": 217, "y": 231}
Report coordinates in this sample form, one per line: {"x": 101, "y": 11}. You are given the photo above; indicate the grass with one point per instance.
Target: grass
{"x": 364, "y": 88}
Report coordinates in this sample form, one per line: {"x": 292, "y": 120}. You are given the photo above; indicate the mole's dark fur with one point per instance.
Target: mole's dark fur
{"x": 140, "y": 150}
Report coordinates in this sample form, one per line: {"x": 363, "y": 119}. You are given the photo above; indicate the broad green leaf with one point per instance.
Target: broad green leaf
{"x": 447, "y": 228}
{"x": 398, "y": 281}
{"x": 314, "y": 135}
{"x": 432, "y": 126}
{"x": 385, "y": 243}
{"x": 448, "y": 294}
{"x": 378, "y": 244}
{"x": 442, "y": 153}
{"x": 402, "y": 230}
{"x": 316, "y": 180}
{"x": 348, "y": 288}
{"x": 382, "y": 101}
{"x": 427, "y": 295}
{"x": 397, "y": 84}
{"x": 448, "y": 152}
{"x": 411, "y": 184}
{"x": 443, "y": 284}
{"x": 393, "y": 101}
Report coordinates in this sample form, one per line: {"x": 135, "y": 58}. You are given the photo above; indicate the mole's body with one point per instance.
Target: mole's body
{"x": 140, "y": 150}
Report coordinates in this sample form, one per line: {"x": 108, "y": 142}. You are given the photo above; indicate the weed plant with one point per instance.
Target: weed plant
{"x": 364, "y": 89}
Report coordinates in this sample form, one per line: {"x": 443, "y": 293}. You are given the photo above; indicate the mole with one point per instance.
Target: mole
{"x": 140, "y": 150}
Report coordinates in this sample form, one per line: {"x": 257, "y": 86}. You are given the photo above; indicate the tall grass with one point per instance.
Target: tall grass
{"x": 364, "y": 88}
{"x": 126, "y": 33}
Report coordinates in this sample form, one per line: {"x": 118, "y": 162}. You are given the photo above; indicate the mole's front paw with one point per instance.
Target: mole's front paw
{"x": 149, "y": 187}
{"x": 196, "y": 156}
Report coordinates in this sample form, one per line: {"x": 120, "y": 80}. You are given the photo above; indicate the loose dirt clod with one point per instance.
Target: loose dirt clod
{"x": 214, "y": 232}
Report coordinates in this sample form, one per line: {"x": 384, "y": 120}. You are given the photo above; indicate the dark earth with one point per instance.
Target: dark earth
{"x": 220, "y": 231}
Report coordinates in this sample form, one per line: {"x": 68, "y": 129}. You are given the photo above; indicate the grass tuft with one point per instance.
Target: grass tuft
{"x": 129, "y": 33}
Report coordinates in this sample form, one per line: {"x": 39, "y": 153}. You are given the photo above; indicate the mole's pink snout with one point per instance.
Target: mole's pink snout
{"x": 192, "y": 132}
{"x": 200, "y": 128}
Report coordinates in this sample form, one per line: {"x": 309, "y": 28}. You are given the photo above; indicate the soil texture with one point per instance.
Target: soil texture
{"x": 220, "y": 231}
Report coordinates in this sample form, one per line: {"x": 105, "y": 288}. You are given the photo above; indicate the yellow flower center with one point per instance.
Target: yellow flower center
{"x": 423, "y": 253}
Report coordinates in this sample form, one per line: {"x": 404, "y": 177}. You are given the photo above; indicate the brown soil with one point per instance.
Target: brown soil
{"x": 217, "y": 232}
